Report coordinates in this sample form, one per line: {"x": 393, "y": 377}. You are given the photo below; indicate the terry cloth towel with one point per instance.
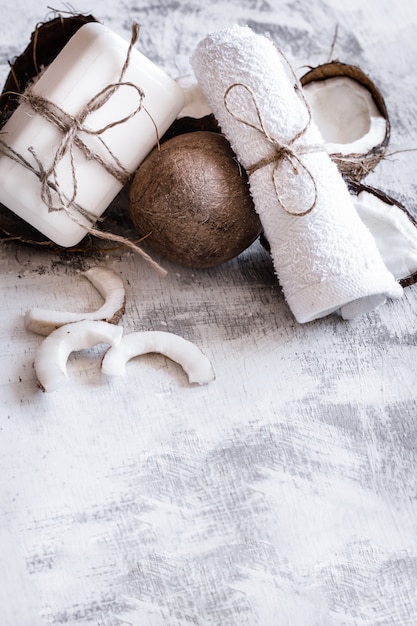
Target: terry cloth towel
{"x": 325, "y": 258}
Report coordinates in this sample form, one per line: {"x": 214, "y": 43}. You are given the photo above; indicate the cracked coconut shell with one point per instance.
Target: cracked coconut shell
{"x": 393, "y": 228}
{"x": 351, "y": 115}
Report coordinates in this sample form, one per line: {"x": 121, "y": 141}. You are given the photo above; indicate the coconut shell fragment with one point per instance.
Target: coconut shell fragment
{"x": 393, "y": 228}
{"x": 46, "y": 41}
{"x": 189, "y": 124}
{"x": 191, "y": 200}
{"x": 351, "y": 114}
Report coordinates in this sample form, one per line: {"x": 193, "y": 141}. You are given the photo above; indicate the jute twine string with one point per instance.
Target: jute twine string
{"x": 71, "y": 126}
{"x": 282, "y": 151}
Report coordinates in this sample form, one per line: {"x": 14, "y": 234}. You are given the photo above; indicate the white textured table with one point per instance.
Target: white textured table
{"x": 284, "y": 493}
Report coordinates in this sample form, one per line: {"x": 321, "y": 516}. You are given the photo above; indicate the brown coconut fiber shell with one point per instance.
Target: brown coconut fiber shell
{"x": 46, "y": 41}
{"x": 354, "y": 166}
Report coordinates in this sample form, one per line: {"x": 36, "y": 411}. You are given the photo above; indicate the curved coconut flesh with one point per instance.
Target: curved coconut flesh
{"x": 393, "y": 229}
{"x": 351, "y": 115}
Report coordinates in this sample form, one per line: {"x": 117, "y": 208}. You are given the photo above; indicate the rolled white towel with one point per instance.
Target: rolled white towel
{"x": 325, "y": 258}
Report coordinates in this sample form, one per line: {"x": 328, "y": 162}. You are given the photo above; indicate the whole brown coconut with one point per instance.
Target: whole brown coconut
{"x": 191, "y": 198}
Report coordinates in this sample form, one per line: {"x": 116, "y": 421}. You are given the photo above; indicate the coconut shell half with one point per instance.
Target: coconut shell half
{"x": 393, "y": 228}
{"x": 351, "y": 114}
{"x": 196, "y": 114}
{"x": 46, "y": 42}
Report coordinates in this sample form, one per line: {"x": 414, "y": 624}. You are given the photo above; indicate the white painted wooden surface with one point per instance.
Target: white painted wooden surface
{"x": 284, "y": 493}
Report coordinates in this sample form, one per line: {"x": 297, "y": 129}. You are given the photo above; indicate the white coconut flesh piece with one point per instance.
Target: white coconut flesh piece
{"x": 110, "y": 286}
{"x": 346, "y": 115}
{"x": 51, "y": 359}
{"x": 394, "y": 232}
{"x": 193, "y": 361}
{"x": 195, "y": 104}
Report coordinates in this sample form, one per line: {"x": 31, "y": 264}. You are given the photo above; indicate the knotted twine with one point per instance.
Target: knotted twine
{"x": 71, "y": 126}
{"x": 324, "y": 260}
{"x": 282, "y": 151}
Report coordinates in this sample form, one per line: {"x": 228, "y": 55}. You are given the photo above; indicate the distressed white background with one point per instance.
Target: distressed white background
{"x": 282, "y": 494}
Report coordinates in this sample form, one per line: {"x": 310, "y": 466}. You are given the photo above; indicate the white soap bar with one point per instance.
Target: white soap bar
{"x": 91, "y": 60}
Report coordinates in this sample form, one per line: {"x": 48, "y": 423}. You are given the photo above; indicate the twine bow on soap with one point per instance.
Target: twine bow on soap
{"x": 71, "y": 127}
{"x": 289, "y": 151}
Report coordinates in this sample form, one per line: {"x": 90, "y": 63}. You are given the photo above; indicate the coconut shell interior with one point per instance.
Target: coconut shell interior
{"x": 190, "y": 124}
{"x": 354, "y": 166}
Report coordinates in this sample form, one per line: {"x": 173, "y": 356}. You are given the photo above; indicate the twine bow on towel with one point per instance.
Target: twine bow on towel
{"x": 289, "y": 151}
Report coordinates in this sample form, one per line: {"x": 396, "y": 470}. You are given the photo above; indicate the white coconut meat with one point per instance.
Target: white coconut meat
{"x": 107, "y": 282}
{"x": 346, "y": 115}
{"x": 394, "y": 231}
{"x": 51, "y": 359}
{"x": 193, "y": 361}
{"x": 195, "y": 104}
